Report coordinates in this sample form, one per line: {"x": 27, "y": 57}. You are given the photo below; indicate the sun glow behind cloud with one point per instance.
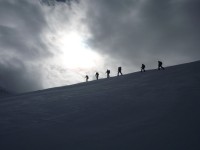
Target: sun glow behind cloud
{"x": 73, "y": 59}
{"x": 66, "y": 37}
{"x": 75, "y": 54}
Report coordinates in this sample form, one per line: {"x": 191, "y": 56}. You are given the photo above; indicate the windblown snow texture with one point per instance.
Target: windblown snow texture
{"x": 155, "y": 110}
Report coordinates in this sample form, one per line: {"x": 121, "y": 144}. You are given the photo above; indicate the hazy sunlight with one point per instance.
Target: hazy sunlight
{"x": 75, "y": 53}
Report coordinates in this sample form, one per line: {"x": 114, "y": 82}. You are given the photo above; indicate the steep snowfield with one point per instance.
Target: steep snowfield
{"x": 155, "y": 110}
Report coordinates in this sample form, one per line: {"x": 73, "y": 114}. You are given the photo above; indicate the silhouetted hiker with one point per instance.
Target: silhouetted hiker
{"x": 97, "y": 75}
{"x": 119, "y": 71}
{"x": 86, "y": 78}
{"x": 108, "y": 73}
{"x": 143, "y": 68}
{"x": 160, "y": 65}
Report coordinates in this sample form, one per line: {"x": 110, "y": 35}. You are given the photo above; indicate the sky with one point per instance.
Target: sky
{"x": 46, "y": 44}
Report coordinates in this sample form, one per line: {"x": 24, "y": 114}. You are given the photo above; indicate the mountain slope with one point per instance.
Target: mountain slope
{"x": 4, "y": 93}
{"x": 151, "y": 110}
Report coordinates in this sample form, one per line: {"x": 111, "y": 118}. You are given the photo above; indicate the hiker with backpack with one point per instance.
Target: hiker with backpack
{"x": 97, "y": 75}
{"x": 143, "y": 68}
{"x": 108, "y": 73}
{"x": 119, "y": 71}
{"x": 87, "y": 77}
{"x": 160, "y": 65}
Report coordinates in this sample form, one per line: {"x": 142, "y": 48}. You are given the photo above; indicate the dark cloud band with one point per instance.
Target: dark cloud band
{"x": 146, "y": 30}
{"x": 54, "y": 2}
{"x": 21, "y": 45}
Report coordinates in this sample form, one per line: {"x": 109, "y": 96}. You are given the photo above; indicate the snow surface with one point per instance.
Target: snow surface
{"x": 4, "y": 93}
{"x": 155, "y": 110}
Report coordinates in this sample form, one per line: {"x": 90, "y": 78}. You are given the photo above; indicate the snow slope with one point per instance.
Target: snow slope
{"x": 4, "y": 93}
{"x": 155, "y": 110}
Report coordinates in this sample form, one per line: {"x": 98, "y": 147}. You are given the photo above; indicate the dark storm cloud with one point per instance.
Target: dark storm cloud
{"x": 67, "y": 1}
{"x": 21, "y": 45}
{"x": 145, "y": 30}
{"x": 17, "y": 77}
{"x": 54, "y": 2}
{"x": 20, "y": 28}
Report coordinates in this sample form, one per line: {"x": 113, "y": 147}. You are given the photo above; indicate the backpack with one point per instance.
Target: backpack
{"x": 143, "y": 66}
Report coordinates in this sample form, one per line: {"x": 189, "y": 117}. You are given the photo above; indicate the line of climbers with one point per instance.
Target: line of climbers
{"x": 120, "y": 71}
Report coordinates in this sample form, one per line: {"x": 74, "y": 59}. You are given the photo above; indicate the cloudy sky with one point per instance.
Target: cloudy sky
{"x": 52, "y": 43}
